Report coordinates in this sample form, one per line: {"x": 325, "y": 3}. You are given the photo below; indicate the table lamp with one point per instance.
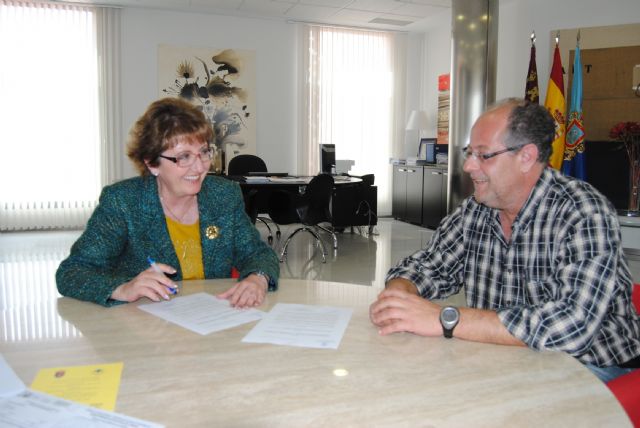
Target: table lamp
{"x": 417, "y": 122}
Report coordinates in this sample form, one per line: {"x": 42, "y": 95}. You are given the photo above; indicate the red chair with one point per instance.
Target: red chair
{"x": 627, "y": 388}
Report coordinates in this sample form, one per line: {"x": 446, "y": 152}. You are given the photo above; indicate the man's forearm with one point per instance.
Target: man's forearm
{"x": 481, "y": 325}
{"x": 402, "y": 284}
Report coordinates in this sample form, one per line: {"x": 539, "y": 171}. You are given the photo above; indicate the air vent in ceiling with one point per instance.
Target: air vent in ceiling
{"x": 386, "y": 21}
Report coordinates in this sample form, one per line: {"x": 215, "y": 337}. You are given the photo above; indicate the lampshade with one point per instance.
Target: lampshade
{"x": 417, "y": 120}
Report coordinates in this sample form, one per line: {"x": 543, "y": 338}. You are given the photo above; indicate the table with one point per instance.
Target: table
{"x": 352, "y": 202}
{"x": 181, "y": 379}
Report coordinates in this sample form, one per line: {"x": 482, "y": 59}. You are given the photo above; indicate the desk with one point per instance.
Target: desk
{"x": 181, "y": 379}
{"x": 352, "y": 203}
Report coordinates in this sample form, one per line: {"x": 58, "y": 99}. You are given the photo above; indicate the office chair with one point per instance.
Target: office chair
{"x": 626, "y": 388}
{"x": 364, "y": 207}
{"x": 310, "y": 209}
{"x": 243, "y": 164}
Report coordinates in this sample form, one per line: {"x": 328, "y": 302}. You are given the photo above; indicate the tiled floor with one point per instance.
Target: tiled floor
{"x": 32, "y": 257}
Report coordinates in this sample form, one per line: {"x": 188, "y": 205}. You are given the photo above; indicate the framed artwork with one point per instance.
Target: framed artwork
{"x": 222, "y": 83}
{"x": 443, "y": 108}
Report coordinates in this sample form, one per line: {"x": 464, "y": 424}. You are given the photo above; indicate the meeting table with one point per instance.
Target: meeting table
{"x": 178, "y": 378}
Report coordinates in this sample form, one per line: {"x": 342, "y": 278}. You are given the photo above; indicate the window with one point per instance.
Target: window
{"x": 50, "y": 134}
{"x": 354, "y": 83}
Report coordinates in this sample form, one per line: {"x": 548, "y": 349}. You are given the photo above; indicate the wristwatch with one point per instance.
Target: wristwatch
{"x": 271, "y": 284}
{"x": 449, "y": 318}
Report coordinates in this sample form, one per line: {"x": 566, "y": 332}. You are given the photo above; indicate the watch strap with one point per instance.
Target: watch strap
{"x": 271, "y": 283}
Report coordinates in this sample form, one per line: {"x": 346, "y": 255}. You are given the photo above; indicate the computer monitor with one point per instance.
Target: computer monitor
{"x": 327, "y": 157}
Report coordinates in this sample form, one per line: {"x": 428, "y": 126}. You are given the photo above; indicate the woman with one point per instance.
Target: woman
{"x": 193, "y": 225}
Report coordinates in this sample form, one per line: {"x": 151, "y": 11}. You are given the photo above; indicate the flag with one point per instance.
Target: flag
{"x": 531, "y": 91}
{"x": 556, "y": 105}
{"x": 574, "y": 162}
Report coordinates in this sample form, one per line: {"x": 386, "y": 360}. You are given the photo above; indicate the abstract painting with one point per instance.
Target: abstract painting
{"x": 221, "y": 82}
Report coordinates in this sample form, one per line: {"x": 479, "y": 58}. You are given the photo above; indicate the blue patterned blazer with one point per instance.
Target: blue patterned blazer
{"x": 128, "y": 225}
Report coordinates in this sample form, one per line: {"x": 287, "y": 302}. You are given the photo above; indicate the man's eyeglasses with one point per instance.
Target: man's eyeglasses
{"x": 186, "y": 159}
{"x": 466, "y": 153}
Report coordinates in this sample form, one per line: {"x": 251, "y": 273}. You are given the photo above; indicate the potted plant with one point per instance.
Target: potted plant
{"x": 629, "y": 134}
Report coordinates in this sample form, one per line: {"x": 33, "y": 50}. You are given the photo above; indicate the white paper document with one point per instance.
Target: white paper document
{"x": 10, "y": 384}
{"x": 202, "y": 313}
{"x": 290, "y": 179}
{"x": 301, "y": 325}
{"x": 31, "y": 409}
{"x": 24, "y": 408}
{"x": 256, "y": 179}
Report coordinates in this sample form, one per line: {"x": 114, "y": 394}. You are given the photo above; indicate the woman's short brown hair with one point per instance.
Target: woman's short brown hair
{"x": 159, "y": 128}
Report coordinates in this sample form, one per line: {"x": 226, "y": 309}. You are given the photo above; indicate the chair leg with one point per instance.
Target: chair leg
{"x": 267, "y": 220}
{"x": 333, "y": 235}
{"x": 283, "y": 254}
{"x": 270, "y": 238}
{"x": 319, "y": 241}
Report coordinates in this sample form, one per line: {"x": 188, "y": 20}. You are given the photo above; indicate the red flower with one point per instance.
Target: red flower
{"x": 625, "y": 131}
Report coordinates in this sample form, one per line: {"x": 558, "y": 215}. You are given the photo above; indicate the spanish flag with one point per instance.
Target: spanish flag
{"x": 555, "y": 103}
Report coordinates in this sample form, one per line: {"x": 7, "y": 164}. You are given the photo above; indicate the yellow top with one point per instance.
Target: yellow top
{"x": 186, "y": 241}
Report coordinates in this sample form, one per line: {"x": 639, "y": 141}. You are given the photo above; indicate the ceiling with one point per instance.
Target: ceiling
{"x": 400, "y": 15}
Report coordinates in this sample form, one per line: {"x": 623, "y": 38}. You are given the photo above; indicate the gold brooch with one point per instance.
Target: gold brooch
{"x": 212, "y": 232}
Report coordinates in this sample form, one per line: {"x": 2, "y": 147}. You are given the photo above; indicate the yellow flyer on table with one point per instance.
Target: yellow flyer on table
{"x": 95, "y": 386}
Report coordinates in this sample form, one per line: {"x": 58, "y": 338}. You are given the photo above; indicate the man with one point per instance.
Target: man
{"x": 539, "y": 255}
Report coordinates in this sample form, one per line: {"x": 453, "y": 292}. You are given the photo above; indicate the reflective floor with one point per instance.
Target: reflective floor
{"x": 361, "y": 258}
{"x": 31, "y": 258}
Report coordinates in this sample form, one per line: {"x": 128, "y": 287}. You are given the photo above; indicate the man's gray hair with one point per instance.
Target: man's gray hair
{"x": 528, "y": 123}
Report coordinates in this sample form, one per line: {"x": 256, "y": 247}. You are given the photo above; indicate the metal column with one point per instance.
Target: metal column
{"x": 474, "y": 45}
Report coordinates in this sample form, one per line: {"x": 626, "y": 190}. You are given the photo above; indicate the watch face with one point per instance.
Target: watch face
{"x": 449, "y": 315}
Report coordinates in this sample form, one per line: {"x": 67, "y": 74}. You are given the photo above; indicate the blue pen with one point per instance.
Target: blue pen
{"x": 155, "y": 267}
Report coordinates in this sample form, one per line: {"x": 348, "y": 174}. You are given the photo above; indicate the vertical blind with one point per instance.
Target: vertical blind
{"x": 50, "y": 133}
{"x": 352, "y": 96}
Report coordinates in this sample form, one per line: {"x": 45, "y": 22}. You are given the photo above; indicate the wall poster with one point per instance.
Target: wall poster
{"x": 443, "y": 108}
{"x": 222, "y": 83}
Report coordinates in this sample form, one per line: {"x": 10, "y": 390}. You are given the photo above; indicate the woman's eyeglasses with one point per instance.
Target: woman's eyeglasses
{"x": 186, "y": 159}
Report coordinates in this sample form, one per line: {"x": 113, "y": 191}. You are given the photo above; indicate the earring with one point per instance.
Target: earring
{"x": 155, "y": 174}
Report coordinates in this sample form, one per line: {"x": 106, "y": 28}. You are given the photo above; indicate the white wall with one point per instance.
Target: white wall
{"x": 275, "y": 46}
{"x": 519, "y": 17}
{"x": 275, "y": 43}
{"x": 516, "y": 20}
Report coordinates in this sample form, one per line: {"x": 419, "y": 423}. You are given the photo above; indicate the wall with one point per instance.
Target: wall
{"x": 274, "y": 43}
{"x": 436, "y": 55}
{"x": 545, "y": 17}
{"x": 276, "y": 49}
{"x": 517, "y": 18}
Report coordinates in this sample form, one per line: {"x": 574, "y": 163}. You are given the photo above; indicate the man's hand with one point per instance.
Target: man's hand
{"x": 400, "y": 308}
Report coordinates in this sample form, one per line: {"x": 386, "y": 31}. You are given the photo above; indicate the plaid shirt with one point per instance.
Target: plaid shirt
{"x": 561, "y": 282}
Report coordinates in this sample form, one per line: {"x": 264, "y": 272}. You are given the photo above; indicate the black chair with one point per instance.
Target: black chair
{"x": 310, "y": 208}
{"x": 242, "y": 165}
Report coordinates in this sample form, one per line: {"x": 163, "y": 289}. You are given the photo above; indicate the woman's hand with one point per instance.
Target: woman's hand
{"x": 148, "y": 283}
{"x": 247, "y": 293}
